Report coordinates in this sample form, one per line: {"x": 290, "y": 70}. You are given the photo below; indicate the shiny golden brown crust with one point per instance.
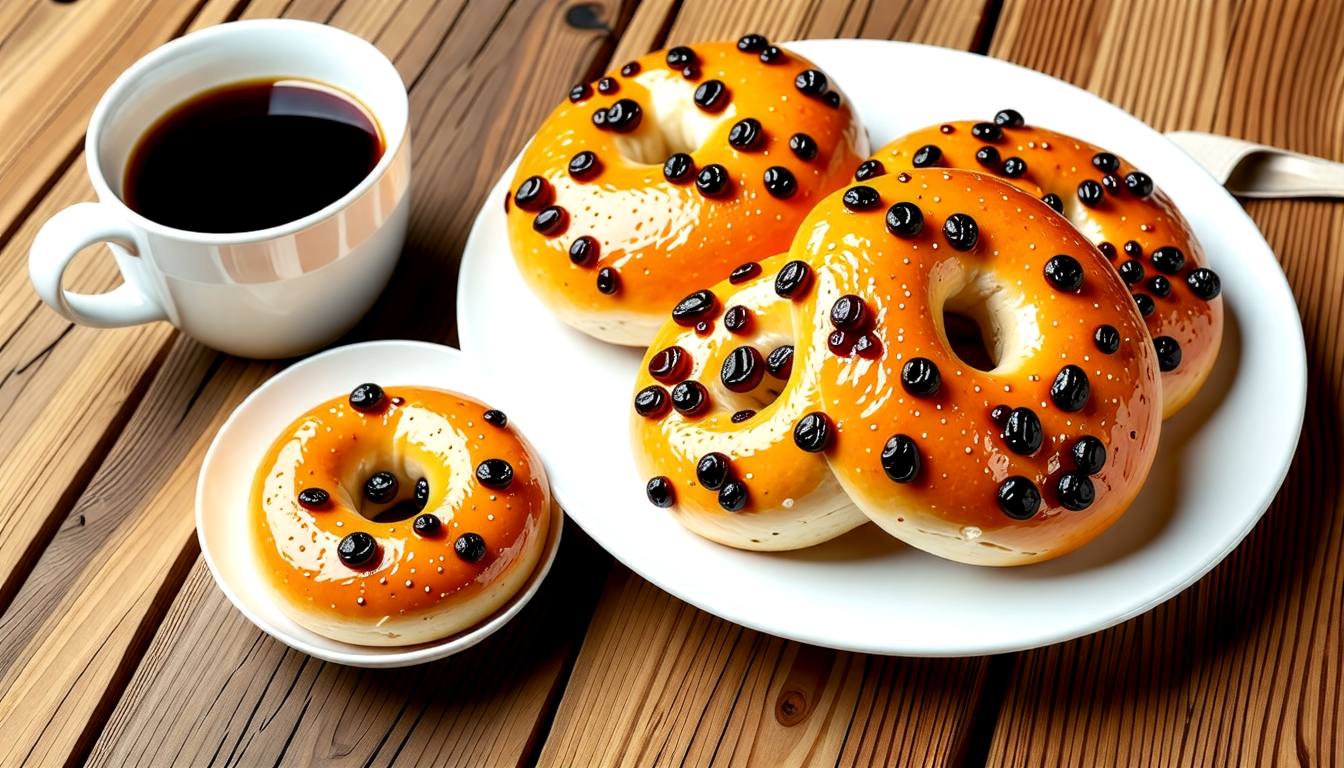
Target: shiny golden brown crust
{"x": 651, "y": 240}
{"x": 420, "y": 585}
{"x": 1034, "y": 329}
{"x": 1129, "y": 226}
{"x": 788, "y": 499}
{"x": 979, "y": 468}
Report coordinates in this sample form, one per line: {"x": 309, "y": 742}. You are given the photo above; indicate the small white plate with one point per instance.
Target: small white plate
{"x": 226, "y": 480}
{"x": 1220, "y": 463}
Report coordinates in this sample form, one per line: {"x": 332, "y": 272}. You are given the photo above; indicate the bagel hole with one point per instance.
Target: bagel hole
{"x": 767, "y": 391}
{"x": 399, "y": 511}
{"x": 671, "y": 123}
{"x": 969, "y": 320}
{"x": 402, "y": 506}
{"x": 758, "y": 399}
{"x": 968, "y": 341}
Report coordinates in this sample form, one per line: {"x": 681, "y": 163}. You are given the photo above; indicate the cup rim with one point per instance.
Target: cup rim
{"x": 394, "y": 136}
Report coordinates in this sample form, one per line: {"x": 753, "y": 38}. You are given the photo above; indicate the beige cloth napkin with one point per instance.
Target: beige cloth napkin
{"x": 1256, "y": 170}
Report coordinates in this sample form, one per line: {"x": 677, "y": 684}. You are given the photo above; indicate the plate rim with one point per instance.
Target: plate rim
{"x": 1065, "y": 630}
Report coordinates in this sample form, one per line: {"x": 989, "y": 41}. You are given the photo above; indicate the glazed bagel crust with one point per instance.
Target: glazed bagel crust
{"x": 417, "y": 586}
{"x": 651, "y": 240}
{"x": 790, "y": 498}
{"x": 1124, "y": 222}
{"x": 1036, "y": 329}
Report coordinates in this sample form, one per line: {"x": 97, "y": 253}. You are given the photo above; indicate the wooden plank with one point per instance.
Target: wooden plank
{"x": 647, "y": 30}
{"x": 65, "y": 392}
{"x": 952, "y": 24}
{"x": 32, "y": 339}
{"x": 41, "y": 435}
{"x": 39, "y": 351}
{"x": 256, "y": 702}
{"x": 72, "y": 670}
{"x": 12, "y": 14}
{"x": 413, "y": 33}
{"x": 1243, "y": 668}
{"x": 265, "y": 9}
{"x": 42, "y": 354}
{"x": 474, "y": 76}
{"x": 658, "y": 682}
{"x": 1163, "y": 61}
{"x": 647, "y": 652}
{"x": 55, "y": 63}
{"x": 49, "y": 365}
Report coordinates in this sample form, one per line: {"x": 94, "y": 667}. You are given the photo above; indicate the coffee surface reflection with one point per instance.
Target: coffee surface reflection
{"x": 251, "y": 155}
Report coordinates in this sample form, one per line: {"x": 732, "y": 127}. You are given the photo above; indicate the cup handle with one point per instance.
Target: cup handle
{"x": 64, "y": 236}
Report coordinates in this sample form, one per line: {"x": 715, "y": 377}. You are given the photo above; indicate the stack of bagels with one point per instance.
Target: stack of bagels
{"x": 969, "y": 337}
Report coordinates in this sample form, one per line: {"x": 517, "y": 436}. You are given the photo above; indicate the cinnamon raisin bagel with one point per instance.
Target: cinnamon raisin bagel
{"x": 398, "y": 517}
{"x": 1117, "y": 206}
{"x": 668, "y": 172}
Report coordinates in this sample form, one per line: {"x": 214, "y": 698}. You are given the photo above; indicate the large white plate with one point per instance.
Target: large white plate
{"x": 1221, "y": 460}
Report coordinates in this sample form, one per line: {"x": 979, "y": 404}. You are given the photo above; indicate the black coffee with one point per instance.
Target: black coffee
{"x": 251, "y": 155}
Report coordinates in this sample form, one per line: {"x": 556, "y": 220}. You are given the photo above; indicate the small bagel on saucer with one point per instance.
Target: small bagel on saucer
{"x": 398, "y": 516}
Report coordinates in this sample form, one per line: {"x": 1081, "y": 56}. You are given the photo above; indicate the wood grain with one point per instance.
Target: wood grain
{"x": 1163, "y": 61}
{"x": 253, "y": 701}
{"x": 952, "y": 24}
{"x": 1244, "y": 668}
{"x": 42, "y": 354}
{"x": 50, "y": 77}
{"x": 47, "y": 365}
{"x": 660, "y": 683}
{"x": 55, "y": 63}
{"x": 50, "y": 366}
{"x": 41, "y": 435}
{"x": 435, "y": 106}
{"x": 76, "y": 663}
{"x": 153, "y": 439}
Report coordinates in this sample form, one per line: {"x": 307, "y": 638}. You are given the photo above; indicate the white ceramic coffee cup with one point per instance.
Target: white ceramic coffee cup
{"x": 269, "y": 293}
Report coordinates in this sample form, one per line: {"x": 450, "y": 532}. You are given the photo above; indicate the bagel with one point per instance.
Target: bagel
{"x": 398, "y": 517}
{"x": 1018, "y": 460}
{"x": 667, "y": 173}
{"x": 1117, "y": 206}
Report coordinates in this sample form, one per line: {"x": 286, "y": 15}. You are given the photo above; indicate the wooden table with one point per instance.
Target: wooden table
{"x": 116, "y": 647}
